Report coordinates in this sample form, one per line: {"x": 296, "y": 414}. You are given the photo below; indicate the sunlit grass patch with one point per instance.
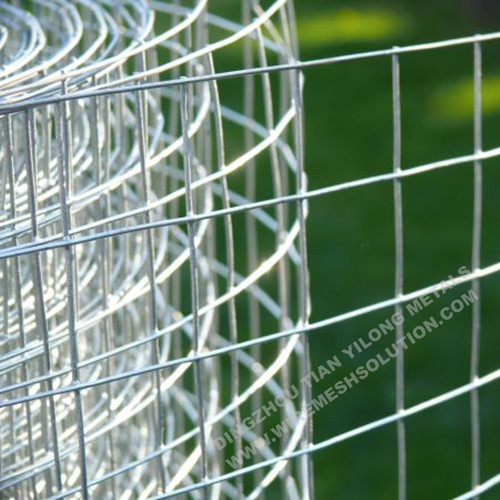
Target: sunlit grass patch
{"x": 456, "y": 101}
{"x": 349, "y": 25}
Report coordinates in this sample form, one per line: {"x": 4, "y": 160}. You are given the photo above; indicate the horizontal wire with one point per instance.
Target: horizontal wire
{"x": 482, "y": 488}
{"x": 52, "y": 244}
{"x": 299, "y": 65}
{"x": 480, "y": 273}
{"x": 363, "y": 429}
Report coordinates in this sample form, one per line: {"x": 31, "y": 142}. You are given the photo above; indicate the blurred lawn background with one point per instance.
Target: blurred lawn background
{"x": 351, "y": 234}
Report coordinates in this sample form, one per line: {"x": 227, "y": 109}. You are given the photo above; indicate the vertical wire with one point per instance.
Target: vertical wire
{"x": 46, "y": 135}
{"x": 4, "y": 176}
{"x": 286, "y": 85}
{"x": 277, "y": 180}
{"x": 70, "y": 180}
{"x": 37, "y": 258}
{"x": 103, "y": 117}
{"x": 229, "y": 237}
{"x": 193, "y": 261}
{"x": 294, "y": 39}
{"x": 17, "y": 283}
{"x": 38, "y": 285}
{"x": 398, "y": 289}
{"x": 41, "y": 257}
{"x": 251, "y": 223}
{"x": 19, "y": 299}
{"x": 211, "y": 274}
{"x": 123, "y": 147}
{"x": 7, "y": 285}
{"x": 476, "y": 262}
{"x": 44, "y": 261}
{"x": 146, "y": 193}
{"x": 105, "y": 262}
{"x": 173, "y": 212}
{"x": 64, "y": 154}
{"x": 304, "y": 299}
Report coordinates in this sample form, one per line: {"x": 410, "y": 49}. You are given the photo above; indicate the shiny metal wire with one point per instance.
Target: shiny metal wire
{"x": 153, "y": 252}
{"x": 80, "y": 314}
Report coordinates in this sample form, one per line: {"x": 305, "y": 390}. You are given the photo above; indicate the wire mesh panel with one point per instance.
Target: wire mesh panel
{"x": 119, "y": 283}
{"x": 155, "y": 289}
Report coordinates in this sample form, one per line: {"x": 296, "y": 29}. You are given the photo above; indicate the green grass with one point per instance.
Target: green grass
{"x": 351, "y": 236}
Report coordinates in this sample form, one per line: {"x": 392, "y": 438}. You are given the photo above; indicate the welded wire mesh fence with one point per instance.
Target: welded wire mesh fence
{"x": 153, "y": 236}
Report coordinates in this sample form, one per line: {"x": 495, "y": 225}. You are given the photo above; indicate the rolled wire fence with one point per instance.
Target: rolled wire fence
{"x": 153, "y": 233}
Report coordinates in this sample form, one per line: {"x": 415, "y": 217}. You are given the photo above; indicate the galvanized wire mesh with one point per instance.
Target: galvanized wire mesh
{"x": 88, "y": 327}
{"x": 152, "y": 234}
